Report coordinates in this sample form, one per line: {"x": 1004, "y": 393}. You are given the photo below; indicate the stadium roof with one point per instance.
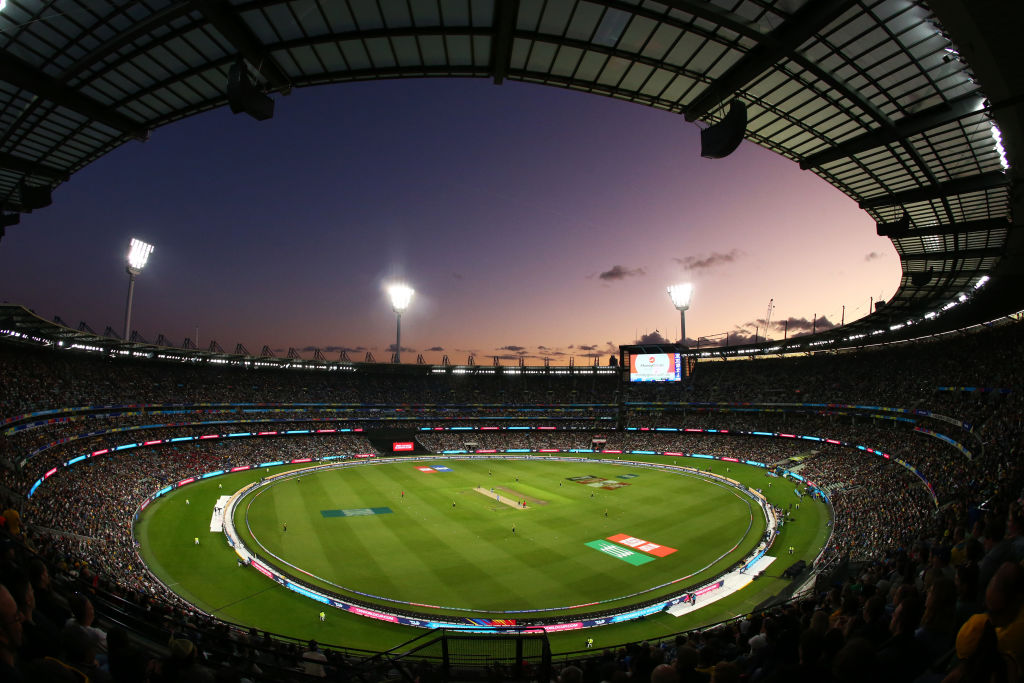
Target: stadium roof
{"x": 894, "y": 102}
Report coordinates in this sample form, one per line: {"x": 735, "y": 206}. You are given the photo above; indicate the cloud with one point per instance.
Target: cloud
{"x": 436, "y": 348}
{"x": 738, "y": 337}
{"x": 873, "y": 256}
{"x": 620, "y": 273}
{"x": 798, "y": 326}
{"x": 512, "y": 347}
{"x": 717, "y": 340}
{"x": 586, "y": 347}
{"x": 405, "y": 349}
{"x": 712, "y": 260}
{"x": 543, "y": 348}
{"x": 652, "y": 338}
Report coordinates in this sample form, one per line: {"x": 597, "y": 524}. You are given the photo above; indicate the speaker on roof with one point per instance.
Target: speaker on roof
{"x": 721, "y": 139}
{"x": 35, "y": 196}
{"x": 922, "y": 278}
{"x": 898, "y": 228}
{"x": 244, "y": 96}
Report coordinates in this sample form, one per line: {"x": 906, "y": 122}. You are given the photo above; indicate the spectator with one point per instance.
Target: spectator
{"x": 313, "y": 661}
{"x": 10, "y": 636}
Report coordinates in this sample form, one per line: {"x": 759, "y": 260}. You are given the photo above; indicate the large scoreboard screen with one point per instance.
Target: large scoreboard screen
{"x": 654, "y": 363}
{"x": 655, "y": 367}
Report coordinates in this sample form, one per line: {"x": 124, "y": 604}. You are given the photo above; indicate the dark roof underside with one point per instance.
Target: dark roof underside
{"x": 891, "y": 101}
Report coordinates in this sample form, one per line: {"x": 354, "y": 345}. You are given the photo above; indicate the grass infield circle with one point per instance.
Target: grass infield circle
{"x": 499, "y": 536}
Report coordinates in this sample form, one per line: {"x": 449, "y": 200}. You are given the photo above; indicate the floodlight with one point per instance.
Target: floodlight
{"x": 680, "y": 295}
{"x": 138, "y": 254}
{"x": 401, "y": 295}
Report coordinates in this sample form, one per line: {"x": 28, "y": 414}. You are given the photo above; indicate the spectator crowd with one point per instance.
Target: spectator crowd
{"x": 923, "y": 584}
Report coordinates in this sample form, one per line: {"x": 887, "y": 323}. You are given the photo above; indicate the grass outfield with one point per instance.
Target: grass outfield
{"x": 444, "y": 543}
{"x": 208, "y": 575}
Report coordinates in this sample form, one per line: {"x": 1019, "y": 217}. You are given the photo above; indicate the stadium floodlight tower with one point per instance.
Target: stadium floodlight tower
{"x": 401, "y": 295}
{"x": 138, "y": 254}
{"x": 680, "y": 295}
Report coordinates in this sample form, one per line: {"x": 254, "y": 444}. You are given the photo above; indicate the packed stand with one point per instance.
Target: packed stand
{"x": 918, "y": 592}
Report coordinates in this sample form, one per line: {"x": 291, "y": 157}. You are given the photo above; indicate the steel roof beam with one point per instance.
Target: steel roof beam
{"x": 710, "y": 12}
{"x": 975, "y": 183}
{"x": 505, "y": 14}
{"x": 780, "y": 43}
{"x": 902, "y": 129}
{"x": 983, "y": 225}
{"x": 22, "y": 165}
{"x": 959, "y": 254}
{"x": 138, "y": 29}
{"x": 25, "y": 76}
{"x": 230, "y": 25}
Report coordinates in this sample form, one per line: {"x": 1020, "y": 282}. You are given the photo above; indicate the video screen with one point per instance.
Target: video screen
{"x": 655, "y": 367}
{"x": 398, "y": 446}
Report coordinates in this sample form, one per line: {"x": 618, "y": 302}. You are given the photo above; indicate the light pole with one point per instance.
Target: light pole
{"x": 400, "y": 295}
{"x": 138, "y": 254}
{"x": 680, "y": 295}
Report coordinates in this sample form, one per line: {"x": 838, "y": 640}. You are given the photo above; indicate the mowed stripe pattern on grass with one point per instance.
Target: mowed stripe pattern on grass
{"x": 467, "y": 556}
{"x": 212, "y": 576}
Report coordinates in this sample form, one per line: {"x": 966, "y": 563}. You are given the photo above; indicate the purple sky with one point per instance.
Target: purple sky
{"x": 530, "y": 220}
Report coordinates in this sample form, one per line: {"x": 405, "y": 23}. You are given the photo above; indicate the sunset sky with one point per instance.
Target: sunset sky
{"x": 531, "y": 221}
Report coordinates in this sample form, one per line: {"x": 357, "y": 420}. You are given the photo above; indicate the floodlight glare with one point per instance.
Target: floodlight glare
{"x": 138, "y": 254}
{"x": 401, "y": 295}
{"x": 997, "y": 139}
{"x": 681, "y": 295}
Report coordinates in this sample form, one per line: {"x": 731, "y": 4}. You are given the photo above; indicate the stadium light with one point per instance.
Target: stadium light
{"x": 401, "y": 295}
{"x": 680, "y": 295}
{"x": 138, "y": 254}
